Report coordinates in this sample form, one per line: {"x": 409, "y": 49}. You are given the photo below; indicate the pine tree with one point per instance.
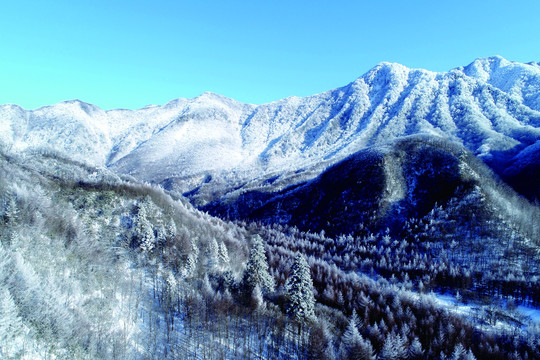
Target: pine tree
{"x": 415, "y": 350}
{"x": 351, "y": 332}
{"x": 223, "y": 256}
{"x": 393, "y": 348}
{"x": 143, "y": 230}
{"x": 191, "y": 265}
{"x": 320, "y": 342}
{"x": 301, "y": 301}
{"x": 170, "y": 229}
{"x": 257, "y": 300}
{"x": 192, "y": 259}
{"x": 11, "y": 326}
{"x": 459, "y": 352}
{"x": 211, "y": 254}
{"x": 12, "y": 210}
{"x": 256, "y": 272}
{"x": 354, "y": 346}
{"x": 171, "y": 293}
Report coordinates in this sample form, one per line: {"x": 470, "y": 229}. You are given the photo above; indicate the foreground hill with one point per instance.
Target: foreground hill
{"x": 96, "y": 266}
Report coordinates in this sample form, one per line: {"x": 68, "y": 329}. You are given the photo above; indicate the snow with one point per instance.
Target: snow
{"x": 526, "y": 315}
{"x": 531, "y": 313}
{"x": 489, "y": 106}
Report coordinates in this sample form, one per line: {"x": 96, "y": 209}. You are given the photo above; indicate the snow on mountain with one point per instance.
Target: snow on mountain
{"x": 491, "y": 106}
{"x": 521, "y": 81}
{"x": 200, "y": 134}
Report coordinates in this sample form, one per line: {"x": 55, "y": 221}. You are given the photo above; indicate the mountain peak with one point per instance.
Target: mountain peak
{"x": 495, "y": 59}
{"x": 485, "y": 65}
{"x": 391, "y": 67}
{"x": 212, "y": 96}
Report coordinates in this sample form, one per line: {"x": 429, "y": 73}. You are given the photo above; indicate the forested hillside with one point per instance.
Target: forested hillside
{"x": 94, "y": 265}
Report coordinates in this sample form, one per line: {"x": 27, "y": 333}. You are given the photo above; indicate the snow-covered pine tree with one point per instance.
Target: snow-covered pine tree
{"x": 191, "y": 265}
{"x": 143, "y": 230}
{"x": 301, "y": 301}
{"x": 257, "y": 300}
{"x": 320, "y": 342}
{"x": 171, "y": 293}
{"x": 415, "y": 350}
{"x": 256, "y": 272}
{"x": 223, "y": 256}
{"x": 211, "y": 254}
{"x": 459, "y": 352}
{"x": 12, "y": 210}
{"x": 170, "y": 229}
{"x": 353, "y": 345}
{"x": 192, "y": 259}
{"x": 11, "y": 326}
{"x": 393, "y": 348}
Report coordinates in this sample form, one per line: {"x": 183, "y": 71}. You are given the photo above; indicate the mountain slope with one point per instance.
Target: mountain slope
{"x": 382, "y": 187}
{"x": 96, "y": 266}
{"x": 378, "y": 184}
{"x": 490, "y": 106}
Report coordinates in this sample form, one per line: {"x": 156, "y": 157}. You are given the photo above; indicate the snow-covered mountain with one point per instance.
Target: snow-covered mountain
{"x": 380, "y": 191}
{"x": 491, "y": 106}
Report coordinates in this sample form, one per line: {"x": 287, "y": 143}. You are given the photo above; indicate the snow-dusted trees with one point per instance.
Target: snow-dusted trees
{"x": 170, "y": 229}
{"x": 257, "y": 300}
{"x": 394, "y": 348}
{"x": 192, "y": 259}
{"x": 256, "y": 272}
{"x": 320, "y": 342}
{"x": 223, "y": 255}
{"x": 301, "y": 301}
{"x": 143, "y": 232}
{"x": 460, "y": 353}
{"x": 11, "y": 327}
{"x": 353, "y": 345}
{"x": 415, "y": 350}
{"x": 211, "y": 254}
{"x": 12, "y": 210}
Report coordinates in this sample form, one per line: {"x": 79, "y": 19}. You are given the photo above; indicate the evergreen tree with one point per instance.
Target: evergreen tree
{"x": 256, "y": 272}
{"x": 171, "y": 288}
{"x": 301, "y": 301}
{"x": 459, "y": 352}
{"x": 170, "y": 229}
{"x": 223, "y": 255}
{"x": 192, "y": 259}
{"x": 143, "y": 230}
{"x": 191, "y": 265}
{"x": 211, "y": 254}
{"x": 12, "y": 210}
{"x": 257, "y": 301}
{"x": 415, "y": 350}
{"x": 320, "y": 342}
{"x": 393, "y": 348}
{"x": 353, "y": 345}
{"x": 11, "y": 326}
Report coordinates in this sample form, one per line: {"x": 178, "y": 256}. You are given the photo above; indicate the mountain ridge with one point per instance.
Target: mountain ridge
{"x": 491, "y": 106}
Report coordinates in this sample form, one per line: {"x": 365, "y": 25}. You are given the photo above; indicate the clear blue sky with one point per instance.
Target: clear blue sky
{"x": 127, "y": 54}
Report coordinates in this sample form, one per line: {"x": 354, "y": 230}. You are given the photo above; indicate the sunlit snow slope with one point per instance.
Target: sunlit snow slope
{"x": 491, "y": 106}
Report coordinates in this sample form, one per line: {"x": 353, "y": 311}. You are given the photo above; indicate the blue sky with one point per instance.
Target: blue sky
{"x": 127, "y": 54}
